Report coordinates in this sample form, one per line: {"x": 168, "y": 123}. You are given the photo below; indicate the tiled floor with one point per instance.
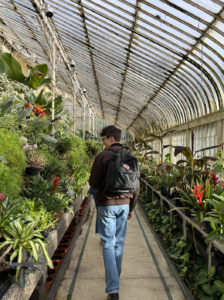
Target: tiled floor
{"x": 140, "y": 278}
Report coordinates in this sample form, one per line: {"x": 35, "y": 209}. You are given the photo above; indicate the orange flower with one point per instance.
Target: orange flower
{"x": 38, "y": 111}
{"x": 198, "y": 194}
{"x": 56, "y": 182}
{"x": 78, "y": 166}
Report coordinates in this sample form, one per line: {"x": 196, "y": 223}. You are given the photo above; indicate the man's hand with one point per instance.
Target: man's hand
{"x": 130, "y": 215}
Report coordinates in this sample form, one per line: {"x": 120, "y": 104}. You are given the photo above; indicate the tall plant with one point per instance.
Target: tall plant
{"x": 160, "y": 137}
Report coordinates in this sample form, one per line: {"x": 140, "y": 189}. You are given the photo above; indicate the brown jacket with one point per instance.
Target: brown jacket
{"x": 98, "y": 175}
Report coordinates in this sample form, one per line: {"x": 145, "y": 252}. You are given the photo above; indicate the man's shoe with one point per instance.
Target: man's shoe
{"x": 113, "y": 296}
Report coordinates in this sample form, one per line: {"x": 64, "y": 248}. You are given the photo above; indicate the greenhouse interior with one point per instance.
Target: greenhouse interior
{"x": 111, "y": 149}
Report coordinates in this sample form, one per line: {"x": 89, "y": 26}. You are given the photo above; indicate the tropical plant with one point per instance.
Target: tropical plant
{"x": 13, "y": 69}
{"x": 159, "y": 137}
{"x": 21, "y": 237}
{"x": 9, "y": 212}
{"x": 194, "y": 167}
{"x": 216, "y": 216}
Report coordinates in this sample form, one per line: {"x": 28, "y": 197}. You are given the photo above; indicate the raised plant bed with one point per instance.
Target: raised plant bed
{"x": 186, "y": 225}
{"x": 38, "y": 279}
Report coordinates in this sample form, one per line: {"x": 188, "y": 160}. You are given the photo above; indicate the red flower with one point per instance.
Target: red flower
{"x": 223, "y": 185}
{"x": 89, "y": 162}
{"x": 56, "y": 182}
{"x": 198, "y": 194}
{"x": 69, "y": 170}
{"x": 27, "y": 104}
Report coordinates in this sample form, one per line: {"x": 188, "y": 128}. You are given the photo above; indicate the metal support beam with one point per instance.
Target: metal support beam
{"x": 82, "y": 14}
{"x": 49, "y": 28}
{"x": 128, "y": 57}
{"x": 74, "y": 107}
{"x": 53, "y": 81}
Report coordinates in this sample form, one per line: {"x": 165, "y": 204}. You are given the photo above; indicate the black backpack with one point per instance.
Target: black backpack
{"x": 123, "y": 173}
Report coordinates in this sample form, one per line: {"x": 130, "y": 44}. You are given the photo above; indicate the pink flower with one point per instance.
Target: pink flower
{"x": 214, "y": 179}
{"x": 2, "y": 197}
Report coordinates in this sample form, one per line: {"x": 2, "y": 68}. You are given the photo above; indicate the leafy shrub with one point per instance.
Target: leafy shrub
{"x": 12, "y": 163}
{"x": 54, "y": 166}
{"x": 93, "y": 148}
{"x": 78, "y": 153}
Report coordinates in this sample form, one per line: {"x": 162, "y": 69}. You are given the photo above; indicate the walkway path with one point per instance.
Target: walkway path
{"x": 145, "y": 273}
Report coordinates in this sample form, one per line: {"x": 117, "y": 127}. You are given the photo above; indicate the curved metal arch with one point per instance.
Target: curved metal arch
{"x": 199, "y": 84}
{"x": 158, "y": 114}
{"x": 199, "y": 92}
{"x": 177, "y": 100}
{"x": 182, "y": 83}
{"x": 187, "y": 111}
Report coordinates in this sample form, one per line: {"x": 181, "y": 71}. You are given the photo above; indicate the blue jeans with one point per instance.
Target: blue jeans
{"x": 94, "y": 193}
{"x": 112, "y": 227}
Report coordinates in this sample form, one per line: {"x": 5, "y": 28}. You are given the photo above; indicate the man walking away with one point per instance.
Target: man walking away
{"x": 114, "y": 207}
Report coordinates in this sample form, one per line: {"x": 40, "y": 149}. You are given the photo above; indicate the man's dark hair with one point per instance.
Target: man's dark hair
{"x": 105, "y": 129}
{"x": 114, "y": 132}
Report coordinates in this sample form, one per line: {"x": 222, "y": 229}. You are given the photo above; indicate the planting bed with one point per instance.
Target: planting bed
{"x": 38, "y": 279}
{"x": 215, "y": 249}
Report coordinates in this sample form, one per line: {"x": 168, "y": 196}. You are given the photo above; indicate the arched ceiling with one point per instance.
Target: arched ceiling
{"x": 147, "y": 65}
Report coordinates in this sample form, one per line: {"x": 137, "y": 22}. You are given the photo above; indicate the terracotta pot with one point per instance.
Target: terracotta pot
{"x": 51, "y": 273}
{"x": 65, "y": 242}
{"x": 68, "y": 234}
{"x": 57, "y": 257}
{"x": 79, "y": 218}
{"x": 56, "y": 266}
{"x": 72, "y": 228}
{"x": 49, "y": 282}
{"x": 61, "y": 251}
{"x": 58, "y": 262}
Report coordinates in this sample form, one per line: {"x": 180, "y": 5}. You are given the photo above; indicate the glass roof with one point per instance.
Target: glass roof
{"x": 147, "y": 65}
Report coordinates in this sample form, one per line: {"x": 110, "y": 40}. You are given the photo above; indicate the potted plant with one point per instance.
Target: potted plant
{"x": 36, "y": 162}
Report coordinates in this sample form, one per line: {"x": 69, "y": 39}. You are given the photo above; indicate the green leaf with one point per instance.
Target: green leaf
{"x": 212, "y": 271}
{"x": 181, "y": 244}
{"x": 222, "y": 298}
{"x": 12, "y": 67}
{"x": 207, "y": 288}
{"x": 2, "y": 68}
{"x": 47, "y": 138}
{"x": 24, "y": 121}
{"x": 214, "y": 237}
{"x": 185, "y": 257}
{"x": 40, "y": 124}
{"x": 40, "y": 99}
{"x": 186, "y": 151}
{"x": 24, "y": 113}
{"x": 219, "y": 285}
{"x": 19, "y": 104}
{"x": 30, "y": 98}
{"x": 45, "y": 81}
{"x": 42, "y": 69}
